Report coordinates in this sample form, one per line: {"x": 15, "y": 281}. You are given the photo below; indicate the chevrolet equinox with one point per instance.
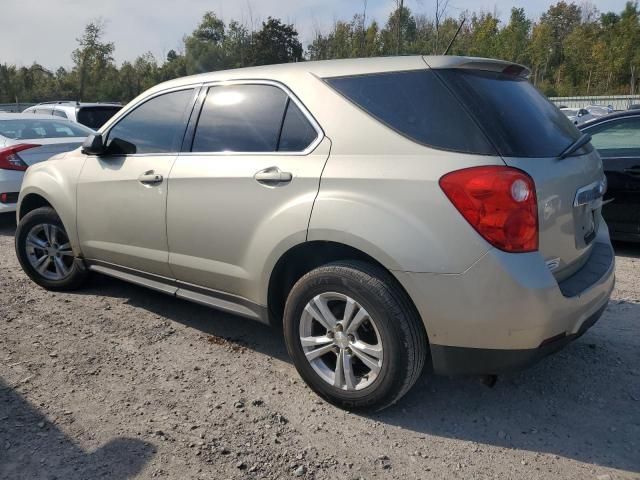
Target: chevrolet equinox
{"x": 388, "y": 213}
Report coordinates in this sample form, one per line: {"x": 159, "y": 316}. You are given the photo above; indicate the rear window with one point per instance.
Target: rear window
{"x": 417, "y": 105}
{"x": 30, "y": 128}
{"x": 516, "y": 117}
{"x": 95, "y": 117}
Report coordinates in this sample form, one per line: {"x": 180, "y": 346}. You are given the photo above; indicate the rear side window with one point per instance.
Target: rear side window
{"x": 240, "y": 118}
{"x": 59, "y": 113}
{"x": 417, "y": 105}
{"x": 617, "y": 138}
{"x": 297, "y": 133}
{"x": 516, "y": 117}
{"x": 156, "y": 126}
{"x": 95, "y": 117}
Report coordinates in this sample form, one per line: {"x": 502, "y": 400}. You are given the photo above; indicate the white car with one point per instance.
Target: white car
{"x": 92, "y": 115}
{"x": 599, "y": 110}
{"x": 25, "y": 140}
{"x": 578, "y": 115}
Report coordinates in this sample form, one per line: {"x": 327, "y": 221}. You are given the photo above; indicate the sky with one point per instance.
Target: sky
{"x": 45, "y": 31}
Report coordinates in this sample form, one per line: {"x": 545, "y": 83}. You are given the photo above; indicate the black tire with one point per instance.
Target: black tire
{"x": 398, "y": 324}
{"x": 46, "y": 215}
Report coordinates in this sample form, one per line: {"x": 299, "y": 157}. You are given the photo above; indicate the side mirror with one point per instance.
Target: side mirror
{"x": 93, "y": 145}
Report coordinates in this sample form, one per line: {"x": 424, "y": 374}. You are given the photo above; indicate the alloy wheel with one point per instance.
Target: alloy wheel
{"x": 341, "y": 341}
{"x": 49, "y": 251}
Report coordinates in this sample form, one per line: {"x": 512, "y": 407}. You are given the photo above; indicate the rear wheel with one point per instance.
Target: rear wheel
{"x": 44, "y": 251}
{"x": 354, "y": 336}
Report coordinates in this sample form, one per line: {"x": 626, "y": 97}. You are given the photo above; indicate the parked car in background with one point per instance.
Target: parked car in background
{"x": 634, "y": 106}
{"x": 26, "y": 140}
{"x": 577, "y": 115}
{"x": 617, "y": 139}
{"x": 599, "y": 110}
{"x": 92, "y": 115}
{"x": 454, "y": 222}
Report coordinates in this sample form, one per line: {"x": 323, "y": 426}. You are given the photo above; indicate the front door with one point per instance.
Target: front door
{"x": 122, "y": 195}
{"x": 246, "y": 189}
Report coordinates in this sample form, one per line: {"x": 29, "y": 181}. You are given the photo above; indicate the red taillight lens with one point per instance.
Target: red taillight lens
{"x": 499, "y": 202}
{"x": 9, "y": 158}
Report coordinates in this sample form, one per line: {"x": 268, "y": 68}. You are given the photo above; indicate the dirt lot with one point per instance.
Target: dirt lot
{"x": 120, "y": 382}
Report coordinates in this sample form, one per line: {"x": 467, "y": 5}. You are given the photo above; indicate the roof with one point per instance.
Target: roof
{"x": 343, "y": 67}
{"x": 611, "y": 116}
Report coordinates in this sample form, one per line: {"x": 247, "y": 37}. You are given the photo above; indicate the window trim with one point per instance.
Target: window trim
{"x": 114, "y": 121}
{"x": 193, "y": 124}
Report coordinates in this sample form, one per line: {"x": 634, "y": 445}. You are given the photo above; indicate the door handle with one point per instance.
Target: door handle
{"x": 150, "y": 178}
{"x": 273, "y": 176}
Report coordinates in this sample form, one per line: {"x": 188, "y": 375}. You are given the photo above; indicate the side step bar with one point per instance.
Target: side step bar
{"x": 204, "y": 296}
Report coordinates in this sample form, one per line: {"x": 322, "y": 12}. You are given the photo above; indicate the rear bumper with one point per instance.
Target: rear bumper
{"x": 507, "y": 310}
{"x": 485, "y": 361}
{"x": 10, "y": 182}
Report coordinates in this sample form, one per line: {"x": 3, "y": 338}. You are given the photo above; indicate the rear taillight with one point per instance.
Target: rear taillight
{"x": 499, "y": 202}
{"x": 9, "y": 158}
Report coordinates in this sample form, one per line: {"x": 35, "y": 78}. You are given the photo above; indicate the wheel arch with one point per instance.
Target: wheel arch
{"x": 304, "y": 257}
{"x": 30, "y": 202}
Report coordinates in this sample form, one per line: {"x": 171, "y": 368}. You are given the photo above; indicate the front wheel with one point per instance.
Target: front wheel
{"x": 44, "y": 251}
{"x": 354, "y": 336}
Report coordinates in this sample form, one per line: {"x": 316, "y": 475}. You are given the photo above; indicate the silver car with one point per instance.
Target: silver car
{"x": 389, "y": 213}
{"x": 26, "y": 140}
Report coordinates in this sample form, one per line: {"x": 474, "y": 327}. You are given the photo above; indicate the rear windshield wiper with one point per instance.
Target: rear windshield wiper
{"x": 578, "y": 143}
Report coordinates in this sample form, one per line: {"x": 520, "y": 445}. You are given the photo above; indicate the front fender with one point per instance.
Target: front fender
{"x": 55, "y": 181}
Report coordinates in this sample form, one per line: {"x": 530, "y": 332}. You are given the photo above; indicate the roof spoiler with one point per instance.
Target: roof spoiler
{"x": 474, "y": 63}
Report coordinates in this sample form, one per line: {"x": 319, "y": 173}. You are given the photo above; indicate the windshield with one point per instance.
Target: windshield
{"x": 95, "y": 117}
{"x": 515, "y": 116}
{"x": 19, "y": 129}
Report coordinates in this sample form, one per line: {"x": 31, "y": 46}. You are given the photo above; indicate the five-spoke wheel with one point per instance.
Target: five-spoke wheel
{"x": 354, "y": 336}
{"x": 341, "y": 341}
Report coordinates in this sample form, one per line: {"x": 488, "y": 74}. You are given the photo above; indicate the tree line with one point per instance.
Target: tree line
{"x": 571, "y": 49}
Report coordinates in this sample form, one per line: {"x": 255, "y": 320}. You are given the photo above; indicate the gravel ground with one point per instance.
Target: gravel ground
{"x": 117, "y": 382}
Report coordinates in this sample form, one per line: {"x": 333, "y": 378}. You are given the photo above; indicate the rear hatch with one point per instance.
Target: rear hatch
{"x": 530, "y": 133}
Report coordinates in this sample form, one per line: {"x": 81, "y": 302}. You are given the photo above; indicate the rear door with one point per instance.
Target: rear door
{"x": 618, "y": 142}
{"x": 245, "y": 187}
{"x": 530, "y": 133}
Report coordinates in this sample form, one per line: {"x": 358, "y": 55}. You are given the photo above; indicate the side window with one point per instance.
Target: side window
{"x": 240, "y": 118}
{"x": 617, "y": 138}
{"x": 156, "y": 126}
{"x": 415, "y": 104}
{"x": 60, "y": 113}
{"x": 297, "y": 133}
{"x": 43, "y": 111}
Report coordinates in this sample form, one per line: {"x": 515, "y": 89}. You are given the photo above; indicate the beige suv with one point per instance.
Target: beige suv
{"x": 387, "y": 212}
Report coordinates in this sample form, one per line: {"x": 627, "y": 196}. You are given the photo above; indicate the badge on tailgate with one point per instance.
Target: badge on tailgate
{"x": 589, "y": 199}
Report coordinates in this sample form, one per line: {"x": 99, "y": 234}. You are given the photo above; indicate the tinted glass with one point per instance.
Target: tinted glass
{"x": 60, "y": 113}
{"x": 516, "y": 117}
{"x": 43, "y": 111}
{"x": 95, "y": 117}
{"x": 156, "y": 126}
{"x": 31, "y": 129}
{"x": 297, "y": 132}
{"x": 617, "y": 138}
{"x": 417, "y": 105}
{"x": 240, "y": 118}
